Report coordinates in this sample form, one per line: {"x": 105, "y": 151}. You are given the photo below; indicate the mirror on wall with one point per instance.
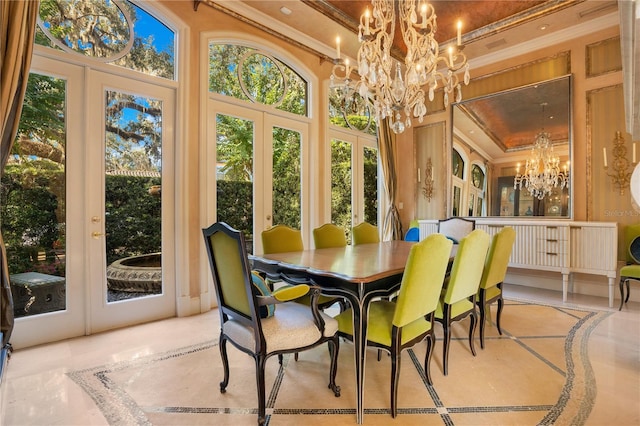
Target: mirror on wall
{"x": 512, "y": 152}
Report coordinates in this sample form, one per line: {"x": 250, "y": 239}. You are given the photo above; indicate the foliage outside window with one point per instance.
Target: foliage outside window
{"x": 112, "y": 31}
{"x": 477, "y": 177}
{"x": 457, "y": 164}
{"x": 252, "y": 75}
{"x": 351, "y": 111}
{"x": 32, "y": 196}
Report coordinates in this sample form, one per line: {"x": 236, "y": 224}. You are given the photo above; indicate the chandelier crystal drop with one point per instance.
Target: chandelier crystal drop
{"x": 398, "y": 91}
{"x": 542, "y": 170}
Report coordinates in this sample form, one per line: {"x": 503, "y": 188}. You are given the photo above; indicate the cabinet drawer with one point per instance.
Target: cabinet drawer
{"x": 550, "y": 259}
{"x": 554, "y": 232}
{"x": 551, "y": 245}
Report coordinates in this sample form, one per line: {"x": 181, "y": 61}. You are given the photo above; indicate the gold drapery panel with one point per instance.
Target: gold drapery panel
{"x": 17, "y": 33}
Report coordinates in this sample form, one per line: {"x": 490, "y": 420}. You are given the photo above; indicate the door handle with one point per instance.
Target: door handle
{"x": 96, "y": 235}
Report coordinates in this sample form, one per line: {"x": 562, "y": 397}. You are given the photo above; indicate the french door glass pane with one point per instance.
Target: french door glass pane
{"x": 286, "y": 177}
{"x": 341, "y": 185}
{"x": 234, "y": 174}
{"x": 33, "y": 200}
{"x": 133, "y": 220}
{"x": 371, "y": 185}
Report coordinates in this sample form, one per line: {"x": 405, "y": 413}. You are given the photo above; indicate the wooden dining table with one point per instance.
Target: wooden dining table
{"x": 358, "y": 273}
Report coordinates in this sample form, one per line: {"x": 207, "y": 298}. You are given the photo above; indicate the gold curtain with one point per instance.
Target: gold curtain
{"x": 17, "y": 33}
{"x": 392, "y": 227}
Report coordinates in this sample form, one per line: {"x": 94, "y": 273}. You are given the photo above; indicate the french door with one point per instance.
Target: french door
{"x": 83, "y": 208}
{"x": 260, "y": 177}
{"x": 129, "y": 158}
{"x": 354, "y": 180}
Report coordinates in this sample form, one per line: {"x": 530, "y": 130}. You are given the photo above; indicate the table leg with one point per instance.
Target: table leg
{"x": 360, "y": 317}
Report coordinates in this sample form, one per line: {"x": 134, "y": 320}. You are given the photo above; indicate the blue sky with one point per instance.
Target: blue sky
{"x": 148, "y": 25}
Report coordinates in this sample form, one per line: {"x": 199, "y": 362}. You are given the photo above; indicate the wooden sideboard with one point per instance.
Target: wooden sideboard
{"x": 558, "y": 246}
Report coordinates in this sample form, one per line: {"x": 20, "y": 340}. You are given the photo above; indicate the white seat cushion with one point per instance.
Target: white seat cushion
{"x": 290, "y": 327}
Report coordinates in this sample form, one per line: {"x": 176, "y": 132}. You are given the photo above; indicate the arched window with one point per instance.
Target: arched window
{"x": 458, "y": 181}
{"x": 112, "y": 31}
{"x": 256, "y": 76}
{"x": 477, "y": 191}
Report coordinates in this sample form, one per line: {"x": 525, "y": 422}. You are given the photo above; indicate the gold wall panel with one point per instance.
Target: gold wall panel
{"x": 603, "y": 57}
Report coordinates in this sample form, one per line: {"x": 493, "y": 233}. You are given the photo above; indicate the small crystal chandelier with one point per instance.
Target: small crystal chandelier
{"x": 542, "y": 170}
{"x": 397, "y": 92}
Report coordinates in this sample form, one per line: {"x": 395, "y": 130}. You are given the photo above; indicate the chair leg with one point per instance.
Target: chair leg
{"x": 499, "y": 314}
{"x": 482, "y": 305}
{"x": 225, "y": 363}
{"x": 334, "y": 348}
{"x": 626, "y": 299}
{"x": 395, "y": 374}
{"x": 431, "y": 341}
{"x": 472, "y": 330}
{"x": 446, "y": 324}
{"x": 260, "y": 382}
{"x": 622, "y": 280}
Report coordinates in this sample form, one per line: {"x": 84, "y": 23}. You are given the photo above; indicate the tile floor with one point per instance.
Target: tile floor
{"x": 37, "y": 389}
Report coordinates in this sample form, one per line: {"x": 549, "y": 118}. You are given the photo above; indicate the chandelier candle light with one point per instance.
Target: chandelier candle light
{"x": 397, "y": 92}
{"x": 542, "y": 170}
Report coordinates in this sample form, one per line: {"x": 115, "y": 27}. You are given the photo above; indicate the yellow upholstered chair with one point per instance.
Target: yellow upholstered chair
{"x": 459, "y": 299}
{"x": 365, "y": 233}
{"x": 257, "y": 322}
{"x": 329, "y": 235}
{"x": 281, "y": 239}
{"x": 495, "y": 269}
{"x": 396, "y": 326}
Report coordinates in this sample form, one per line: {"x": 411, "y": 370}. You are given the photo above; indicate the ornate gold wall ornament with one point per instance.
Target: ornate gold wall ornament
{"x": 621, "y": 174}
{"x": 428, "y": 187}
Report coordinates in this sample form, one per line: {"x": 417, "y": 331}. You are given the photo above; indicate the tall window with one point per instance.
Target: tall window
{"x": 477, "y": 191}
{"x": 259, "y": 175}
{"x": 458, "y": 171}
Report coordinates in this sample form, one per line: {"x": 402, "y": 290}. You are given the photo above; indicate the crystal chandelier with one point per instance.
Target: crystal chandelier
{"x": 542, "y": 170}
{"x": 398, "y": 92}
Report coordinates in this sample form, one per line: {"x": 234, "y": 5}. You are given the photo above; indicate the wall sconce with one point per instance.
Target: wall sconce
{"x": 428, "y": 188}
{"x": 620, "y": 176}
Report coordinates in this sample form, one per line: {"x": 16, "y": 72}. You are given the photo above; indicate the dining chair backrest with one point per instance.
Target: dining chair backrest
{"x": 456, "y": 228}
{"x": 329, "y": 235}
{"x": 231, "y": 273}
{"x": 365, "y": 233}
{"x": 281, "y": 239}
{"x": 498, "y": 258}
{"x": 422, "y": 279}
{"x": 467, "y": 267}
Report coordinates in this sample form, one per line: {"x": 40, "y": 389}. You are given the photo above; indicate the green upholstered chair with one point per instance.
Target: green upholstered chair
{"x": 628, "y": 272}
{"x": 329, "y": 235}
{"x": 365, "y": 233}
{"x": 458, "y": 300}
{"x": 289, "y": 328}
{"x": 632, "y": 270}
{"x": 495, "y": 269}
{"x": 396, "y": 326}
